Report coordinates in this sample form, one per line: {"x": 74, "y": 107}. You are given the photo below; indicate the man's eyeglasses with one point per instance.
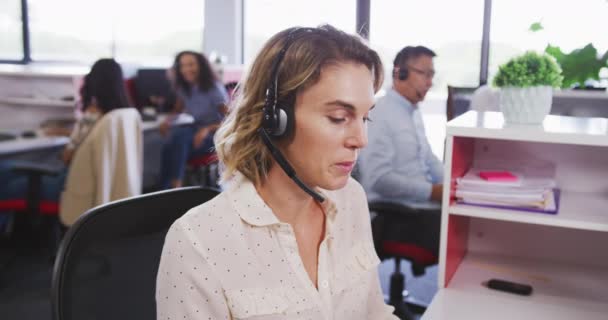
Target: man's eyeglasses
{"x": 428, "y": 73}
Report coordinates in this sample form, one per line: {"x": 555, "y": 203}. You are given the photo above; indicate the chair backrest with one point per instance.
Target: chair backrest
{"x": 107, "y": 263}
{"x": 459, "y": 101}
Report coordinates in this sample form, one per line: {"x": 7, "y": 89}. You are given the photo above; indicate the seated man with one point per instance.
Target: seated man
{"x": 398, "y": 164}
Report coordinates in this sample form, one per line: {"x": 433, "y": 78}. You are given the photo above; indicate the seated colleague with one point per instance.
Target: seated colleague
{"x": 103, "y": 91}
{"x": 269, "y": 247}
{"x": 398, "y": 165}
{"x": 485, "y": 98}
{"x": 203, "y": 96}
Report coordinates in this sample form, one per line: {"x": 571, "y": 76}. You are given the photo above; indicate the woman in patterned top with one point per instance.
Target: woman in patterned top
{"x": 264, "y": 248}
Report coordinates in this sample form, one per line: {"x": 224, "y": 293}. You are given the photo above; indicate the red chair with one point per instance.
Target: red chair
{"x": 402, "y": 232}
{"x": 131, "y": 92}
{"x": 32, "y": 204}
{"x": 46, "y": 208}
{"x": 202, "y": 171}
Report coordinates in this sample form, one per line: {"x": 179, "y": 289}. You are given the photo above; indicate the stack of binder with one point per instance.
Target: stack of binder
{"x": 508, "y": 190}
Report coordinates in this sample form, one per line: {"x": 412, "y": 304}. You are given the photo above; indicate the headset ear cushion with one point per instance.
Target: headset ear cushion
{"x": 281, "y": 124}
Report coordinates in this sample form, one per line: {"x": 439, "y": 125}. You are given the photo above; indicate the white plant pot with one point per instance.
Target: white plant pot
{"x": 525, "y": 105}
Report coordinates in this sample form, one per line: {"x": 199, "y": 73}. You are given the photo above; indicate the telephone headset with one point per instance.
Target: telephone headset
{"x": 402, "y": 72}
{"x": 277, "y": 118}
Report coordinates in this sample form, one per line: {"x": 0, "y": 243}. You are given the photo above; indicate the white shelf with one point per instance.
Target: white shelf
{"x": 38, "y": 102}
{"x": 560, "y": 291}
{"x": 576, "y": 211}
{"x": 555, "y": 129}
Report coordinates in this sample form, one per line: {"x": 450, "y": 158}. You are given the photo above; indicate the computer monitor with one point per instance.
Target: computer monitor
{"x": 153, "y": 82}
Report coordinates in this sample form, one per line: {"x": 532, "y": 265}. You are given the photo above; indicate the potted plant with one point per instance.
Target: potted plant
{"x": 579, "y": 65}
{"x": 526, "y": 85}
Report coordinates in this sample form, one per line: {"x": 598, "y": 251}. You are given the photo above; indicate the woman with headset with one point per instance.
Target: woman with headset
{"x": 290, "y": 236}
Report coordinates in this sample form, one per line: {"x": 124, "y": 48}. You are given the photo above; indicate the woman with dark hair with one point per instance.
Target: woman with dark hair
{"x": 103, "y": 91}
{"x": 202, "y": 95}
{"x": 104, "y": 86}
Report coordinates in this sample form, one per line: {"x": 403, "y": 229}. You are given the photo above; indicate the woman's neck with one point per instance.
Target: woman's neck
{"x": 288, "y": 202}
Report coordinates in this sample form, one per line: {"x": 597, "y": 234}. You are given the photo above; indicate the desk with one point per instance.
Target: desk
{"x": 181, "y": 119}
{"x": 577, "y": 103}
{"x": 20, "y": 144}
{"x": 48, "y": 149}
{"x": 580, "y": 103}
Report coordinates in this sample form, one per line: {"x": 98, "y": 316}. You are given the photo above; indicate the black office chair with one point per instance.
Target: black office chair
{"x": 402, "y": 232}
{"x": 107, "y": 262}
{"x": 458, "y": 101}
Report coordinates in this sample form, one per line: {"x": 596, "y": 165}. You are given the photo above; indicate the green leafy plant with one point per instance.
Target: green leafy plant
{"x": 579, "y": 65}
{"x": 529, "y": 70}
{"x": 536, "y": 26}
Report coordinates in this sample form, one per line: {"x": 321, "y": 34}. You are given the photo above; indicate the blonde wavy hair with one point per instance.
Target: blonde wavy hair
{"x": 238, "y": 144}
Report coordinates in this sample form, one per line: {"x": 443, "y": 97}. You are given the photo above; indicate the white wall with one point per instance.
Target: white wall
{"x": 224, "y": 29}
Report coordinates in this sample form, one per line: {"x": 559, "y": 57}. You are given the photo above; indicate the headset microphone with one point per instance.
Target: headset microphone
{"x": 418, "y": 93}
{"x": 284, "y": 164}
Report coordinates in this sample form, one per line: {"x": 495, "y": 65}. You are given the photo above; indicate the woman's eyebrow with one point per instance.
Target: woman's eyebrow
{"x": 345, "y": 105}
{"x": 340, "y": 103}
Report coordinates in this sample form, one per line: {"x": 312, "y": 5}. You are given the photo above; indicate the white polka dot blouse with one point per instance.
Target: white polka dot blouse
{"x": 231, "y": 258}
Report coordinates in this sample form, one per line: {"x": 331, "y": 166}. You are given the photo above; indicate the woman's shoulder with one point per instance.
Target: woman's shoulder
{"x": 216, "y": 212}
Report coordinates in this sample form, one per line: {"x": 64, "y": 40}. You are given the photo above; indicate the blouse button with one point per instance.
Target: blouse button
{"x": 324, "y": 284}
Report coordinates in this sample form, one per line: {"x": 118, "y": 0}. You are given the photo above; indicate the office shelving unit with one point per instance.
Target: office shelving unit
{"x": 31, "y": 94}
{"x": 564, "y": 256}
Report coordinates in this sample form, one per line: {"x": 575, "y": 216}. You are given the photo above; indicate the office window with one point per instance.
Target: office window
{"x": 264, "y": 18}
{"x": 70, "y": 30}
{"x": 138, "y": 31}
{"x": 154, "y": 31}
{"x": 452, "y": 29}
{"x": 11, "y": 45}
{"x": 568, "y": 24}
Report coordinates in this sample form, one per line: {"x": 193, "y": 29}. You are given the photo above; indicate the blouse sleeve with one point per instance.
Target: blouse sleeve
{"x": 186, "y": 287}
